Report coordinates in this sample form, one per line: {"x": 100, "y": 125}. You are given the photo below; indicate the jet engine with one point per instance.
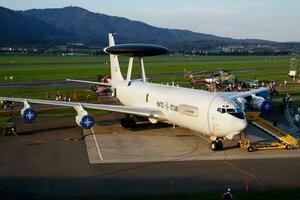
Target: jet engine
{"x": 260, "y": 103}
{"x": 27, "y": 113}
{"x": 242, "y": 102}
{"x": 83, "y": 119}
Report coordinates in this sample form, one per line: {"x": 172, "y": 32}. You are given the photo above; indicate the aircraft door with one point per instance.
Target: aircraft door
{"x": 214, "y": 119}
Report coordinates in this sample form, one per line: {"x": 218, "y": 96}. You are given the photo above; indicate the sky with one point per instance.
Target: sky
{"x": 275, "y": 20}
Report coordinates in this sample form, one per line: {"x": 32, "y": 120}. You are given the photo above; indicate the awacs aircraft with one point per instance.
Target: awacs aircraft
{"x": 218, "y": 115}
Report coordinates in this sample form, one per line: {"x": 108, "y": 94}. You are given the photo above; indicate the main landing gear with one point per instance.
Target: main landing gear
{"x": 128, "y": 122}
{"x": 216, "y": 145}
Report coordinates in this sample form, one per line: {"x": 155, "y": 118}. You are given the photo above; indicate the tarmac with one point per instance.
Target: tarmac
{"x": 109, "y": 143}
{"x": 51, "y": 159}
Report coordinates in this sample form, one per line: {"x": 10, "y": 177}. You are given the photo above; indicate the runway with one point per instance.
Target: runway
{"x": 51, "y": 161}
{"x": 121, "y": 62}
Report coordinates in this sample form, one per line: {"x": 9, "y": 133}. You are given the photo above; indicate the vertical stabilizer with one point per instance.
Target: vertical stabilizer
{"x": 114, "y": 61}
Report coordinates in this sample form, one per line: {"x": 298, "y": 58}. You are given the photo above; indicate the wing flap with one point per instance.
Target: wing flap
{"x": 88, "y": 82}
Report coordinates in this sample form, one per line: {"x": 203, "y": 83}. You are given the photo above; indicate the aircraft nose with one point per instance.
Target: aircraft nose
{"x": 237, "y": 126}
{"x": 240, "y": 124}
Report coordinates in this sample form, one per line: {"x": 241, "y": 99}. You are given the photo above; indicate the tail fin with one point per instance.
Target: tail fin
{"x": 114, "y": 61}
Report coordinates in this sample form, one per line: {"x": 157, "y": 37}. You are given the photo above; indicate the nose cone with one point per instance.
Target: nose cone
{"x": 241, "y": 124}
{"x": 237, "y": 126}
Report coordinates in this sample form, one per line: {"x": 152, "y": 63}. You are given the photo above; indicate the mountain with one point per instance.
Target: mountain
{"x": 75, "y": 24}
{"x": 16, "y": 28}
{"x": 94, "y": 27}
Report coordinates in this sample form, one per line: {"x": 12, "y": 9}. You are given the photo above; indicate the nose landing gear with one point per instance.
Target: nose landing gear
{"x": 216, "y": 145}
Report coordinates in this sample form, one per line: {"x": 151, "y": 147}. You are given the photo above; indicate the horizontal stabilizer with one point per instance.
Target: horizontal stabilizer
{"x": 88, "y": 82}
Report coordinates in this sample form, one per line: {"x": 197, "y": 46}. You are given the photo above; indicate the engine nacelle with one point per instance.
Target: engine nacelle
{"x": 241, "y": 102}
{"x": 82, "y": 118}
{"x": 28, "y": 114}
{"x": 260, "y": 103}
{"x": 85, "y": 121}
{"x": 297, "y": 119}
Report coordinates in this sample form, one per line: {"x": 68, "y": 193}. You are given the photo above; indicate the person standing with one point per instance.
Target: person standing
{"x": 227, "y": 195}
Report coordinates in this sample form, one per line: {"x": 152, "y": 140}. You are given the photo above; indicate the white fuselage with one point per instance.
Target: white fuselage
{"x": 197, "y": 110}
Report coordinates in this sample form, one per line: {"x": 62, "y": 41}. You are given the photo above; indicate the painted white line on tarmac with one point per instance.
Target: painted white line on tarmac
{"x": 97, "y": 146}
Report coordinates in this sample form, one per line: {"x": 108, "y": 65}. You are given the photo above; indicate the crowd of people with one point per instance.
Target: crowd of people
{"x": 7, "y": 105}
{"x": 60, "y": 96}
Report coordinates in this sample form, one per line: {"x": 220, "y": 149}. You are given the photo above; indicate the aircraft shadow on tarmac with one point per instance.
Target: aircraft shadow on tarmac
{"x": 148, "y": 126}
{"x": 140, "y": 126}
{"x": 31, "y": 132}
{"x": 108, "y": 122}
{"x": 230, "y": 147}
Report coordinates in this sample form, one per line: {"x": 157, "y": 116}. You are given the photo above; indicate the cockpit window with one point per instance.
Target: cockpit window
{"x": 236, "y": 113}
{"x": 239, "y": 115}
{"x": 226, "y": 110}
{"x": 231, "y": 110}
{"x": 221, "y": 110}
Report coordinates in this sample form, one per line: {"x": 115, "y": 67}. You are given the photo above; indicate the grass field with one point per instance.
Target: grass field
{"x": 27, "y": 59}
{"x": 43, "y": 92}
{"x": 3, "y": 120}
{"x": 62, "y": 67}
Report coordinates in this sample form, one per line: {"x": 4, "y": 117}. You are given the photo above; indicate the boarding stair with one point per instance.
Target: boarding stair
{"x": 284, "y": 139}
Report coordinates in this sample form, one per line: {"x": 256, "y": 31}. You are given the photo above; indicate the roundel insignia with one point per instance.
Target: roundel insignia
{"x": 87, "y": 122}
{"x": 29, "y": 115}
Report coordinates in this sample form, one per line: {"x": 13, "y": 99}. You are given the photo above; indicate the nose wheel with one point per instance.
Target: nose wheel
{"x": 216, "y": 145}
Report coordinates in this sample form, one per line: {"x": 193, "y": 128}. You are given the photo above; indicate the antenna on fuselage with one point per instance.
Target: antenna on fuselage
{"x": 136, "y": 50}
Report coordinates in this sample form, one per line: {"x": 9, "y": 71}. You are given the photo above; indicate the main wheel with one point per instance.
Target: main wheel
{"x": 220, "y": 145}
{"x": 132, "y": 123}
{"x": 214, "y": 146}
{"x": 128, "y": 123}
{"x": 288, "y": 147}
{"x": 125, "y": 123}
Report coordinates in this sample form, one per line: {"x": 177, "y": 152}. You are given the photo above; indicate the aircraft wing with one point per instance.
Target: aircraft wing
{"x": 263, "y": 92}
{"x": 88, "y": 82}
{"x": 140, "y": 111}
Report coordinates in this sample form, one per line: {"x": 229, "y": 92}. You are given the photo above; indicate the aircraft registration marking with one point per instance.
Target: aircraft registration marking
{"x": 182, "y": 108}
{"x": 167, "y": 106}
